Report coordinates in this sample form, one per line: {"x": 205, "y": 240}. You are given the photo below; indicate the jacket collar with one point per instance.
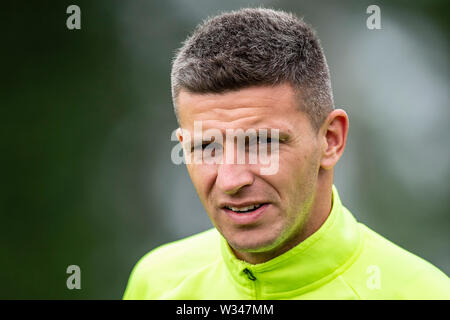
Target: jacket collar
{"x": 316, "y": 260}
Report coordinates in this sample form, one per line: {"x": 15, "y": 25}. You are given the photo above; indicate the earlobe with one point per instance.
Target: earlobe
{"x": 335, "y": 137}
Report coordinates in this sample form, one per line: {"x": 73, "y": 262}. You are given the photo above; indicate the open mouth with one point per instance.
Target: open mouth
{"x": 246, "y": 214}
{"x": 244, "y": 210}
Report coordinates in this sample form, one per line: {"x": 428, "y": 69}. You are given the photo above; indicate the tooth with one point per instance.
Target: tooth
{"x": 251, "y": 207}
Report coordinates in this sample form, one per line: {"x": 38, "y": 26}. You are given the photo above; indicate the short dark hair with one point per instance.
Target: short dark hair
{"x": 252, "y": 47}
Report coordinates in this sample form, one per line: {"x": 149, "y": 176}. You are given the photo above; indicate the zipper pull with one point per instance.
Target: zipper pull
{"x": 249, "y": 274}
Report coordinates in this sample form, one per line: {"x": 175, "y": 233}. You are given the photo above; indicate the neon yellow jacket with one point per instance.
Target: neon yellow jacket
{"x": 342, "y": 260}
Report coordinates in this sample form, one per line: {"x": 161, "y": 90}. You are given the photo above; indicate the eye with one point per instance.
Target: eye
{"x": 267, "y": 140}
{"x": 200, "y": 146}
{"x": 206, "y": 144}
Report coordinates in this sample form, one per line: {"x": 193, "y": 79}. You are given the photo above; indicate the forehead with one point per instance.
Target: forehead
{"x": 265, "y": 106}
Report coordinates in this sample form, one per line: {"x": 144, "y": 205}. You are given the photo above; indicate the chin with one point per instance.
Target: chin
{"x": 252, "y": 242}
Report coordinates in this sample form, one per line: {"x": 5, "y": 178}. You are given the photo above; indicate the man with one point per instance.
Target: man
{"x": 284, "y": 235}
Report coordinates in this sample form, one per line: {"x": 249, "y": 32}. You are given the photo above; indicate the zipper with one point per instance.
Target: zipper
{"x": 249, "y": 274}
{"x": 252, "y": 277}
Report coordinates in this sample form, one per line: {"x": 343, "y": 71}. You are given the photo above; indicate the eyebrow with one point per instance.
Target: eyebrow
{"x": 282, "y": 135}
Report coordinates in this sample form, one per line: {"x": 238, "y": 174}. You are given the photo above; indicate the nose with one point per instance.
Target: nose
{"x": 233, "y": 177}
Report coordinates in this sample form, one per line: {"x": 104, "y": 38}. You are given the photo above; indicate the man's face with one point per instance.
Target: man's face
{"x": 285, "y": 198}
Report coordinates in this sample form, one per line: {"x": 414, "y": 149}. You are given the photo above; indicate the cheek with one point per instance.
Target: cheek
{"x": 297, "y": 174}
{"x": 202, "y": 177}
{"x": 291, "y": 169}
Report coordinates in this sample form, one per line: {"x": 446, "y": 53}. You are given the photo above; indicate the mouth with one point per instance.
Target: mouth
{"x": 245, "y": 214}
{"x": 244, "y": 210}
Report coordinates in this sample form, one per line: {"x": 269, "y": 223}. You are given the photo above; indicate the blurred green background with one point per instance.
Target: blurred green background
{"x": 87, "y": 177}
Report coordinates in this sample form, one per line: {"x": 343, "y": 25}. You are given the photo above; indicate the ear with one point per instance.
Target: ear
{"x": 334, "y": 137}
{"x": 180, "y": 135}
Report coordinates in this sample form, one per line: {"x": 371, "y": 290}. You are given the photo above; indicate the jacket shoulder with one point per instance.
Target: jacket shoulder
{"x": 384, "y": 270}
{"x": 167, "y": 265}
